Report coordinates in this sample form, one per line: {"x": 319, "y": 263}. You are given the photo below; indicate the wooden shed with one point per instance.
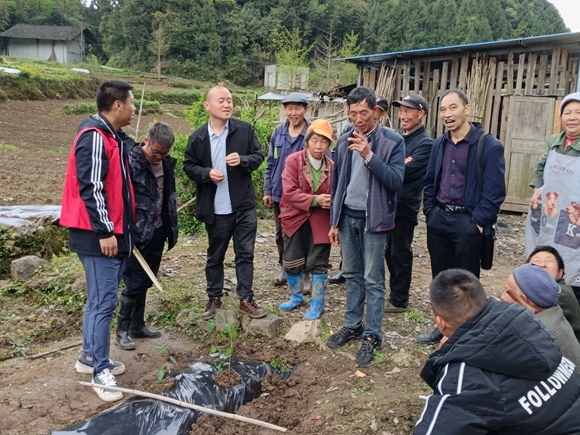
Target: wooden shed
{"x": 515, "y": 88}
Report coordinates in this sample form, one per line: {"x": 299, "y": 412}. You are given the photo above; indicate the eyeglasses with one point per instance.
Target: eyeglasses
{"x": 158, "y": 153}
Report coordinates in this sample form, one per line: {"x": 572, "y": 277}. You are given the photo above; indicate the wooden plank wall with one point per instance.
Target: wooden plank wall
{"x": 530, "y": 74}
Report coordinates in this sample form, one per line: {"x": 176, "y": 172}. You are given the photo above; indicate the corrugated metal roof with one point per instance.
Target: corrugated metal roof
{"x": 537, "y": 44}
{"x": 31, "y": 31}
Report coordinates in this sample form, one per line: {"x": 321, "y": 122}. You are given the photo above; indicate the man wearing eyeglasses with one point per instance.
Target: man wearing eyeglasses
{"x": 152, "y": 175}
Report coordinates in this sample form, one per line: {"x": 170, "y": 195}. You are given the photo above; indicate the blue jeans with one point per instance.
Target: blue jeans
{"x": 363, "y": 266}
{"x": 103, "y": 277}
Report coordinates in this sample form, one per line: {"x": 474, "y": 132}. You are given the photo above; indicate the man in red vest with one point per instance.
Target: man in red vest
{"x": 98, "y": 207}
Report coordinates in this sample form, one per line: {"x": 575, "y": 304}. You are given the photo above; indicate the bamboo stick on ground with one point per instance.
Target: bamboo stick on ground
{"x": 188, "y": 405}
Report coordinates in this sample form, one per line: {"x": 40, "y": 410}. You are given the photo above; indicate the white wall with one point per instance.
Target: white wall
{"x": 42, "y": 49}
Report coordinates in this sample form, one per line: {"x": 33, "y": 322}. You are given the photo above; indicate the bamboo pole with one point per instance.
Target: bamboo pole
{"x": 140, "y": 110}
{"x": 188, "y": 405}
{"x": 146, "y": 268}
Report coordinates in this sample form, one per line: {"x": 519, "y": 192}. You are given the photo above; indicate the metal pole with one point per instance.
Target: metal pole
{"x": 359, "y": 81}
{"x": 578, "y": 81}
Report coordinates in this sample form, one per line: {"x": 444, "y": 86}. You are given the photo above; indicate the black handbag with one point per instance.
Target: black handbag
{"x": 488, "y": 244}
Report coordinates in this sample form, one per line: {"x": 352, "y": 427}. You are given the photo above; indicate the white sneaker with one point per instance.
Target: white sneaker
{"x": 106, "y": 378}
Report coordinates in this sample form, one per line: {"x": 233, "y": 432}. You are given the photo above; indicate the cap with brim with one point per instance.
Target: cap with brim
{"x": 413, "y": 102}
{"x": 321, "y": 127}
{"x": 295, "y": 98}
{"x": 383, "y": 103}
{"x": 568, "y": 99}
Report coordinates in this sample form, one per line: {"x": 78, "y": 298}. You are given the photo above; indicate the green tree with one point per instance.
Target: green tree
{"x": 291, "y": 55}
{"x": 350, "y": 48}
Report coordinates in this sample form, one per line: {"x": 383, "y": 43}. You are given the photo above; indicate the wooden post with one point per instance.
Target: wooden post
{"x": 463, "y": 72}
{"x": 542, "y": 74}
{"x": 417, "y": 83}
{"x": 520, "y": 79}
{"x": 433, "y": 103}
{"x": 530, "y": 74}
{"x": 510, "y": 74}
{"x": 406, "y": 78}
{"x": 442, "y": 90}
{"x": 426, "y": 79}
{"x": 554, "y": 70}
{"x": 454, "y": 73}
{"x": 497, "y": 100}
{"x": 489, "y": 97}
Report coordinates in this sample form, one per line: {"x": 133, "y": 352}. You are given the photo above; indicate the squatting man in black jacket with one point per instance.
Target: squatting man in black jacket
{"x": 220, "y": 158}
{"x": 499, "y": 372}
{"x": 153, "y": 178}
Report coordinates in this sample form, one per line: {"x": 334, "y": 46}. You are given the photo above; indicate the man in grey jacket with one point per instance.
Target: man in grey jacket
{"x": 368, "y": 172}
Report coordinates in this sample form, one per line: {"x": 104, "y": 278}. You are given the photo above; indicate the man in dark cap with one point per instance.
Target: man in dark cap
{"x": 399, "y": 255}
{"x": 286, "y": 139}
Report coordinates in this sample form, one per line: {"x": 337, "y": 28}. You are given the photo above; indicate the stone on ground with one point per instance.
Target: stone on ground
{"x": 303, "y": 332}
{"x": 264, "y": 327}
{"x": 23, "y": 268}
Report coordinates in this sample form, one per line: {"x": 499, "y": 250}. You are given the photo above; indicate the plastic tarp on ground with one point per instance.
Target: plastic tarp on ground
{"x": 194, "y": 384}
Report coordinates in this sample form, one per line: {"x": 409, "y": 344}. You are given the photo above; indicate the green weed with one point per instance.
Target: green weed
{"x": 281, "y": 364}
{"x": 414, "y": 316}
{"x": 6, "y": 148}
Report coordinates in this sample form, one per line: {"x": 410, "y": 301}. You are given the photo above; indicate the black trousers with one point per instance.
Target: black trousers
{"x": 242, "y": 227}
{"x": 279, "y": 232}
{"x": 302, "y": 255}
{"x": 399, "y": 257}
{"x": 454, "y": 241}
{"x": 136, "y": 279}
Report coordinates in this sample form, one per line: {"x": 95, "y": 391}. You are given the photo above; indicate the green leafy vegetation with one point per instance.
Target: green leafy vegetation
{"x": 413, "y": 315}
{"x": 281, "y": 365}
{"x": 6, "y": 148}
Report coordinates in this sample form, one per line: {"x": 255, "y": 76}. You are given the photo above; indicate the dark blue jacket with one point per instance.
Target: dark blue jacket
{"x": 281, "y": 146}
{"x": 386, "y": 170}
{"x": 483, "y": 204}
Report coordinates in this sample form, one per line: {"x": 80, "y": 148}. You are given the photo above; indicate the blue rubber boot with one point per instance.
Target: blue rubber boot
{"x": 318, "y": 291}
{"x": 296, "y": 286}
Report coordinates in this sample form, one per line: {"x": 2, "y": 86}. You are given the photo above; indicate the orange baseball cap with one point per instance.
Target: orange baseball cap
{"x": 321, "y": 127}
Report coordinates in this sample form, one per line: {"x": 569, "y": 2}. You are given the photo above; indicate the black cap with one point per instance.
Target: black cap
{"x": 383, "y": 103}
{"x": 412, "y": 101}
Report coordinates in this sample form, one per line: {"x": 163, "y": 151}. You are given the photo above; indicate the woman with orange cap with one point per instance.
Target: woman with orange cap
{"x": 305, "y": 217}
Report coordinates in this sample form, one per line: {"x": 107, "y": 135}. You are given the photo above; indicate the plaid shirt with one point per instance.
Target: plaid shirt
{"x": 453, "y": 170}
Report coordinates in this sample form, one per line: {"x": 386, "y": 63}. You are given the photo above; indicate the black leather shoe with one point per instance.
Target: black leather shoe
{"x": 432, "y": 337}
{"x": 337, "y": 279}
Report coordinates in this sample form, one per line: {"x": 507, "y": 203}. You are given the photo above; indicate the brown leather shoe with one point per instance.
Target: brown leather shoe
{"x": 249, "y": 307}
{"x": 212, "y": 305}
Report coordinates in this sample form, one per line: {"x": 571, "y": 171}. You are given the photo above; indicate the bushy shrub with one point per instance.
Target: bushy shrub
{"x": 263, "y": 123}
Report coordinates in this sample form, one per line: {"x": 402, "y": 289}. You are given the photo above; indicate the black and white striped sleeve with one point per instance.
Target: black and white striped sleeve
{"x": 92, "y": 166}
{"x": 453, "y": 409}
